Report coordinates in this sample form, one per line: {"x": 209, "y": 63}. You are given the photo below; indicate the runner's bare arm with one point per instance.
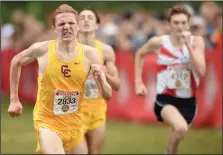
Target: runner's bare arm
{"x": 112, "y": 72}
{"x": 150, "y": 46}
{"x": 103, "y": 85}
{"x": 196, "y": 51}
{"x": 23, "y": 58}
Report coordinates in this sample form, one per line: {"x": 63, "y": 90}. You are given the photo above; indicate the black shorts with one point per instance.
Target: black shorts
{"x": 187, "y": 107}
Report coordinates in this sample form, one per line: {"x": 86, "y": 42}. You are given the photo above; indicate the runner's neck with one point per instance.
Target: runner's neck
{"x": 177, "y": 42}
{"x": 87, "y": 38}
{"x": 65, "y": 47}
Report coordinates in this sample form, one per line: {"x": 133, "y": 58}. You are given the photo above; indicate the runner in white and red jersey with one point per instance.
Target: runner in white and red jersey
{"x": 181, "y": 63}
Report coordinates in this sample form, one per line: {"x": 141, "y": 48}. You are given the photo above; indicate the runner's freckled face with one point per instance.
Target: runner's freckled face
{"x": 66, "y": 26}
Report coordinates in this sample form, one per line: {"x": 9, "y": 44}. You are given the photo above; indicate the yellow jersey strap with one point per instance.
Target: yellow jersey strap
{"x": 80, "y": 50}
{"x": 99, "y": 48}
{"x": 51, "y": 49}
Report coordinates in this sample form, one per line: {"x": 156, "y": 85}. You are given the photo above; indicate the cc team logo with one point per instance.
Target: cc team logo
{"x": 65, "y": 70}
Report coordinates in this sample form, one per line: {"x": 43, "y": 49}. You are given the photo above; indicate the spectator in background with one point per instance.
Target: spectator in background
{"x": 108, "y": 30}
{"x": 139, "y": 36}
{"x": 48, "y": 33}
{"x": 27, "y": 29}
{"x": 208, "y": 11}
{"x": 123, "y": 40}
{"x": 190, "y": 9}
{"x": 17, "y": 18}
{"x": 160, "y": 24}
{"x": 32, "y": 29}
{"x": 7, "y": 32}
{"x": 217, "y": 35}
{"x": 126, "y": 31}
{"x": 198, "y": 26}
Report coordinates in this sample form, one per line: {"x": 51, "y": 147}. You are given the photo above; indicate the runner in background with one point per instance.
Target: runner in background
{"x": 181, "y": 63}
{"x": 95, "y": 106}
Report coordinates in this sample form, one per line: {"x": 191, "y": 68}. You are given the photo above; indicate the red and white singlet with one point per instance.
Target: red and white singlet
{"x": 175, "y": 75}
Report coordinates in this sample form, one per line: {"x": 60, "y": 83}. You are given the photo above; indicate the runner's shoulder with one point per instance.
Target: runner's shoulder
{"x": 40, "y": 47}
{"x": 108, "y": 50}
{"x": 88, "y": 49}
{"x": 156, "y": 40}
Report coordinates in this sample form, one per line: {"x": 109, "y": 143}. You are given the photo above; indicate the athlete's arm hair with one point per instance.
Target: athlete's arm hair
{"x": 112, "y": 72}
{"x": 150, "y": 46}
{"x": 23, "y": 58}
{"x": 197, "y": 55}
{"x": 104, "y": 87}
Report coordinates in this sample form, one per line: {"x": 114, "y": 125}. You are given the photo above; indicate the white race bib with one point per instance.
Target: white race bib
{"x": 179, "y": 79}
{"x": 66, "y": 102}
{"x": 91, "y": 89}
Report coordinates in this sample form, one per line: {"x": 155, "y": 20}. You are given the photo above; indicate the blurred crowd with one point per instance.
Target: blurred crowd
{"x": 125, "y": 32}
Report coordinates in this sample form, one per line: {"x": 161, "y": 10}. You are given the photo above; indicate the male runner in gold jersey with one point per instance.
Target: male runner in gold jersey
{"x": 94, "y": 106}
{"x": 63, "y": 68}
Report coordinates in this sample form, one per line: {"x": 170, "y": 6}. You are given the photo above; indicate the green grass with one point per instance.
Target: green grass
{"x": 18, "y": 136}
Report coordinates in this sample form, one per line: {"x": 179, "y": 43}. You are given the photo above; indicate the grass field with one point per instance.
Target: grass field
{"x": 18, "y": 136}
